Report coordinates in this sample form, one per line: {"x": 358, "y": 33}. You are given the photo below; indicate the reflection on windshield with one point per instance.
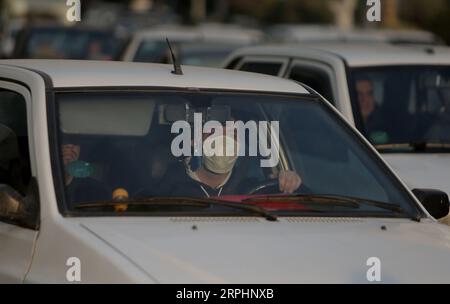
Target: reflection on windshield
{"x": 125, "y": 147}
{"x": 401, "y": 105}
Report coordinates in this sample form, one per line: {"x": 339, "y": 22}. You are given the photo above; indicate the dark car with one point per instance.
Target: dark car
{"x": 61, "y": 42}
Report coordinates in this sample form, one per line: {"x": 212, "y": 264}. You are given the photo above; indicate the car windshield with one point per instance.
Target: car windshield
{"x": 204, "y": 152}
{"x": 404, "y": 108}
{"x": 70, "y": 44}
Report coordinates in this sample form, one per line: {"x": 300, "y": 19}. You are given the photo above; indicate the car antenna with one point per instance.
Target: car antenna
{"x": 176, "y": 66}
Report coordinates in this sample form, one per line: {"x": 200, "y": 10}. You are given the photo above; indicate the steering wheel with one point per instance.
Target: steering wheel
{"x": 272, "y": 186}
{"x": 266, "y": 187}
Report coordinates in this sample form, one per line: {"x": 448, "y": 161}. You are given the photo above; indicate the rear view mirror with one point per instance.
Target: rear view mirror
{"x": 435, "y": 201}
{"x": 177, "y": 112}
{"x": 220, "y": 113}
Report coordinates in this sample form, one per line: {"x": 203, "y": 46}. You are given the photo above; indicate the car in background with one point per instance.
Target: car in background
{"x": 287, "y": 33}
{"x": 151, "y": 46}
{"x": 9, "y": 36}
{"x": 207, "y": 54}
{"x": 92, "y": 181}
{"x": 63, "y": 42}
{"x": 203, "y": 45}
{"x": 406, "y": 87}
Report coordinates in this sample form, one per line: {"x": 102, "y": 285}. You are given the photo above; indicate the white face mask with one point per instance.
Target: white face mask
{"x": 219, "y": 154}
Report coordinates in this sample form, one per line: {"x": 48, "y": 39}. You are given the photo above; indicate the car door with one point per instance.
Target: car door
{"x": 17, "y": 236}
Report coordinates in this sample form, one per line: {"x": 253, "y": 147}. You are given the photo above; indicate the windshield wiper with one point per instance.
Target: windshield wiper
{"x": 180, "y": 201}
{"x": 327, "y": 200}
{"x": 415, "y": 146}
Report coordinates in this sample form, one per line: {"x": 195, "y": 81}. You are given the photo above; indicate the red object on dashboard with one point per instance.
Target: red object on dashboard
{"x": 269, "y": 204}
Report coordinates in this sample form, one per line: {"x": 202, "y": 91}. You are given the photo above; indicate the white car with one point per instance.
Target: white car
{"x": 407, "y": 86}
{"x": 288, "y": 33}
{"x": 93, "y": 188}
{"x": 203, "y": 45}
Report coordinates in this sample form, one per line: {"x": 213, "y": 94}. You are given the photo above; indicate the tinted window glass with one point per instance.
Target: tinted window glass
{"x": 314, "y": 78}
{"x": 153, "y": 51}
{"x": 14, "y": 151}
{"x": 268, "y": 68}
{"x": 403, "y": 105}
{"x": 60, "y": 43}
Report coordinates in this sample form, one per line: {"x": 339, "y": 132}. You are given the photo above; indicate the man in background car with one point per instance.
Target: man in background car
{"x": 370, "y": 112}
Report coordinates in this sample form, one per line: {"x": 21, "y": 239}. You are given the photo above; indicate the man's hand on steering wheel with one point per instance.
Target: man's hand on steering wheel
{"x": 289, "y": 181}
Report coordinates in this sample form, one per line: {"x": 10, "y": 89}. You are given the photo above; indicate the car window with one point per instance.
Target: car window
{"x": 153, "y": 51}
{"x": 314, "y": 78}
{"x": 15, "y": 152}
{"x": 166, "y": 152}
{"x": 204, "y": 58}
{"x": 68, "y": 44}
{"x": 404, "y": 106}
{"x": 15, "y": 168}
{"x": 268, "y": 68}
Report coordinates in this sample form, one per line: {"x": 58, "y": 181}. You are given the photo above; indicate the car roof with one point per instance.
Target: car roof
{"x": 84, "y": 73}
{"x": 330, "y": 33}
{"x": 357, "y": 54}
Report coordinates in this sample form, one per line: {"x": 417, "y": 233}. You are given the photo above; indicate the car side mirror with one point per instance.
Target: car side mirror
{"x": 436, "y": 202}
{"x": 11, "y": 203}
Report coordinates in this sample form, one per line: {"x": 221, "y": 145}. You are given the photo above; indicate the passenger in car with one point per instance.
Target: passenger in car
{"x": 8, "y": 150}
{"x": 370, "y": 112}
{"x": 81, "y": 188}
{"x": 9, "y": 157}
{"x": 70, "y": 153}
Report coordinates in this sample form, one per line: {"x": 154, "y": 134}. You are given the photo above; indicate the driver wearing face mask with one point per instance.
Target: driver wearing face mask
{"x": 212, "y": 175}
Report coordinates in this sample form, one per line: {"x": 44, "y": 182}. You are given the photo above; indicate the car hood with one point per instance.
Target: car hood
{"x": 292, "y": 250}
{"x": 423, "y": 170}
